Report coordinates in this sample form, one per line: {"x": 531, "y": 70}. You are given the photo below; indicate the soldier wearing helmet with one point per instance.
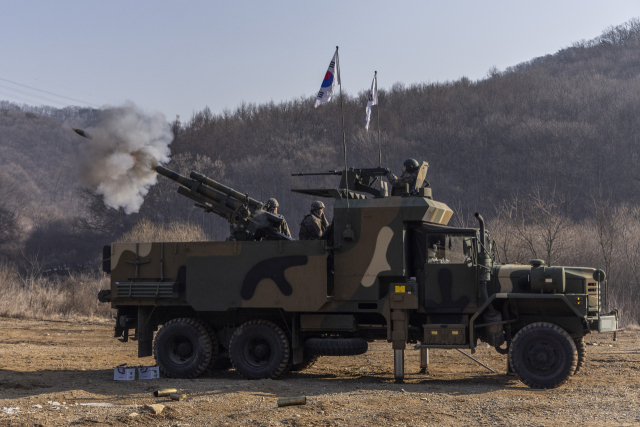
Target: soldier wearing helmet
{"x": 410, "y": 169}
{"x": 314, "y": 224}
{"x": 272, "y": 206}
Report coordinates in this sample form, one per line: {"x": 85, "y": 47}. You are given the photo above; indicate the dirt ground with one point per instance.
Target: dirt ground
{"x": 61, "y": 373}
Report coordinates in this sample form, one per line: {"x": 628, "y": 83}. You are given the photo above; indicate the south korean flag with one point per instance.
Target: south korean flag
{"x": 373, "y": 98}
{"x": 331, "y": 78}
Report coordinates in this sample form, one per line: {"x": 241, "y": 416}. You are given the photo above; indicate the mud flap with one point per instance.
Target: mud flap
{"x": 297, "y": 350}
{"x": 144, "y": 331}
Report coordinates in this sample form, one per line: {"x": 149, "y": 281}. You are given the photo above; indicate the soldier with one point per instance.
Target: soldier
{"x": 314, "y": 224}
{"x": 272, "y": 206}
{"x": 410, "y": 169}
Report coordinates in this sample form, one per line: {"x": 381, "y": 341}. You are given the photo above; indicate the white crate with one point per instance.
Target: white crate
{"x": 148, "y": 372}
{"x": 122, "y": 373}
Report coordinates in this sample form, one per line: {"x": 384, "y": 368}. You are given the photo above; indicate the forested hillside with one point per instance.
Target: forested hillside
{"x": 565, "y": 122}
{"x": 555, "y": 137}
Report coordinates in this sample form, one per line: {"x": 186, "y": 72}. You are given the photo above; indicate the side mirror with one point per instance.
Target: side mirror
{"x": 469, "y": 253}
{"x": 467, "y": 244}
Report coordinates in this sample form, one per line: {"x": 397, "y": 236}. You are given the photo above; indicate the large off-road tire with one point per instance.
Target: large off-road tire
{"x": 543, "y": 355}
{"x": 259, "y": 349}
{"x": 335, "y": 346}
{"x": 308, "y": 360}
{"x": 182, "y": 348}
{"x": 581, "y": 346}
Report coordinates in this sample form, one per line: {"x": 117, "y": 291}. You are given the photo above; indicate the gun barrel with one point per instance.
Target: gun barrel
{"x": 226, "y": 190}
{"x": 168, "y": 173}
{"x": 193, "y": 185}
{"x": 318, "y": 173}
{"x": 230, "y": 204}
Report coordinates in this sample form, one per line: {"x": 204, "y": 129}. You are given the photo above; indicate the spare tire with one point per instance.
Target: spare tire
{"x": 336, "y": 346}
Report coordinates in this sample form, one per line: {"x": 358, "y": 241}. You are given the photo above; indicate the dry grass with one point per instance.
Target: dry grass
{"x": 147, "y": 231}
{"x": 32, "y": 295}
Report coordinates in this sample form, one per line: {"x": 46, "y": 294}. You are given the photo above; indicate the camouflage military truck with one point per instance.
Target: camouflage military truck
{"x": 388, "y": 268}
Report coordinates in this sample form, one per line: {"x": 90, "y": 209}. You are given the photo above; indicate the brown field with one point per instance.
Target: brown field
{"x": 71, "y": 364}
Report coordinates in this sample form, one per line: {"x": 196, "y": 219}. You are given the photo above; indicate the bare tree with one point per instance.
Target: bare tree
{"x": 13, "y": 201}
{"x": 547, "y": 214}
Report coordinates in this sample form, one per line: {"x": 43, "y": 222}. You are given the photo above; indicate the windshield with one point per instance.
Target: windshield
{"x": 448, "y": 249}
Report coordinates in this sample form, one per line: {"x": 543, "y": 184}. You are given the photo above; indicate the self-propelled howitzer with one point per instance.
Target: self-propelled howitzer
{"x": 390, "y": 269}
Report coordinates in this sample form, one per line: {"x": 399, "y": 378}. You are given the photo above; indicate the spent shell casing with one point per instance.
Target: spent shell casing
{"x": 177, "y": 396}
{"x": 291, "y": 401}
{"x": 164, "y": 392}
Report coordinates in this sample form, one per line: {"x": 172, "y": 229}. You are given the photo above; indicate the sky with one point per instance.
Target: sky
{"x": 180, "y": 57}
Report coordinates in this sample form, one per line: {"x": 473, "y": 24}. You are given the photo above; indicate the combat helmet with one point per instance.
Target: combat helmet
{"x": 317, "y": 205}
{"x": 411, "y": 165}
{"x": 271, "y": 204}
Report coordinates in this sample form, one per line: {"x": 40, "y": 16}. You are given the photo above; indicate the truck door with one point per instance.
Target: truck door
{"x": 451, "y": 284}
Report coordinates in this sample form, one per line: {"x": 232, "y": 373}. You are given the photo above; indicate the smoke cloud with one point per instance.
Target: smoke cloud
{"x": 118, "y": 160}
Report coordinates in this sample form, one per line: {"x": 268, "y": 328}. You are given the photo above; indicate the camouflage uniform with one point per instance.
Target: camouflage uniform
{"x": 284, "y": 228}
{"x": 400, "y": 183}
{"x": 271, "y": 205}
{"x": 312, "y": 227}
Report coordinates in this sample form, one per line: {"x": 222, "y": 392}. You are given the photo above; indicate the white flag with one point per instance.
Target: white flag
{"x": 331, "y": 78}
{"x": 373, "y": 98}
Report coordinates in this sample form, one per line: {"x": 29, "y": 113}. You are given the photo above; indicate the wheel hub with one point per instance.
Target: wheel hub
{"x": 184, "y": 349}
{"x": 542, "y": 356}
{"x": 260, "y": 350}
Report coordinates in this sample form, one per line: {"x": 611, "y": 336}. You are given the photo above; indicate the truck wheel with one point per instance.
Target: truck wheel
{"x": 336, "y": 346}
{"x": 543, "y": 355}
{"x": 582, "y": 353}
{"x": 259, "y": 349}
{"x": 308, "y": 360}
{"x": 182, "y": 348}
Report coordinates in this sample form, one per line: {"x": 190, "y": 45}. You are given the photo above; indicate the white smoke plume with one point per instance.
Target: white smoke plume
{"x": 118, "y": 160}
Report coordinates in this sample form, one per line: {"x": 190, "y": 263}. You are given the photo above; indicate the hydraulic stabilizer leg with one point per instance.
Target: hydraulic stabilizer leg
{"x": 398, "y": 366}
{"x": 424, "y": 360}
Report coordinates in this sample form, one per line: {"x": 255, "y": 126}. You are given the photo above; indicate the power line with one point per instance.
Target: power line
{"x": 50, "y": 93}
{"x": 34, "y": 96}
{"x": 28, "y": 101}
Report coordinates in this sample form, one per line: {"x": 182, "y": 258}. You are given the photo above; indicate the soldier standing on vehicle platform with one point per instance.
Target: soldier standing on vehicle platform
{"x": 272, "y": 207}
{"x": 410, "y": 169}
{"x": 314, "y": 224}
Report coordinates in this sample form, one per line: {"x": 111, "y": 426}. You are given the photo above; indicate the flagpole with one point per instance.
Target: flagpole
{"x": 344, "y": 139}
{"x": 378, "y": 111}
